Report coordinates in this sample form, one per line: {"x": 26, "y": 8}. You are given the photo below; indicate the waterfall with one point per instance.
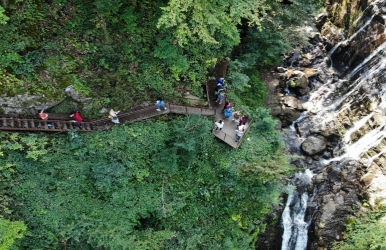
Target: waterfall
{"x": 294, "y": 220}
{"x": 349, "y": 106}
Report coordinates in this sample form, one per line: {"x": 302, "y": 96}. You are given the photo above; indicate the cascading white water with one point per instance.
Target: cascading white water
{"x": 294, "y": 215}
{"x": 327, "y": 103}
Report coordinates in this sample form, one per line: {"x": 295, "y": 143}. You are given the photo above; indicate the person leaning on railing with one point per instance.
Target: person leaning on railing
{"x": 43, "y": 116}
{"x": 77, "y": 118}
{"x": 239, "y": 134}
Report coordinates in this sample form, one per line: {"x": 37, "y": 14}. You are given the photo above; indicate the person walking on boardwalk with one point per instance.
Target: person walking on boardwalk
{"x": 227, "y": 105}
{"x": 219, "y": 125}
{"x": 160, "y": 105}
{"x": 77, "y": 118}
{"x": 43, "y": 116}
{"x": 113, "y": 116}
{"x": 220, "y": 97}
{"x": 221, "y": 83}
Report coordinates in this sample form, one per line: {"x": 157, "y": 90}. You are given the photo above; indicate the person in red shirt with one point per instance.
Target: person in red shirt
{"x": 43, "y": 116}
{"x": 76, "y": 117}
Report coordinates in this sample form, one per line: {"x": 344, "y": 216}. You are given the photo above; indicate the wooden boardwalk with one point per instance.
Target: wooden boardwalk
{"x": 58, "y": 124}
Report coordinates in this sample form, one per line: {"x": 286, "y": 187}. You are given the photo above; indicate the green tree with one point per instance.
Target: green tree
{"x": 208, "y": 21}
{"x": 9, "y": 232}
{"x": 164, "y": 184}
{"x": 3, "y": 17}
{"x": 363, "y": 232}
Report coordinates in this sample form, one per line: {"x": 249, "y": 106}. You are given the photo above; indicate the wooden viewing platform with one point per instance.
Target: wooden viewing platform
{"x": 228, "y": 132}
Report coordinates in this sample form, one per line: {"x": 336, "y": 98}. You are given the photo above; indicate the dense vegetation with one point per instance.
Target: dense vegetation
{"x": 161, "y": 184}
{"x": 365, "y": 231}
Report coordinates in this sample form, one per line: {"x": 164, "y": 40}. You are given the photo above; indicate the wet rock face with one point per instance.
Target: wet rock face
{"x": 339, "y": 191}
{"x": 340, "y": 12}
{"x": 298, "y": 81}
{"x": 331, "y": 35}
{"x": 362, "y": 42}
{"x": 345, "y": 102}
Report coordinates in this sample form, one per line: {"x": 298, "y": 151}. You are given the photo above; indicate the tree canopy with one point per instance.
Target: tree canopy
{"x": 154, "y": 185}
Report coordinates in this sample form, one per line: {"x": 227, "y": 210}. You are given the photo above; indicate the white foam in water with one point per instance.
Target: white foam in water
{"x": 356, "y": 126}
{"x": 293, "y": 217}
{"x": 301, "y": 117}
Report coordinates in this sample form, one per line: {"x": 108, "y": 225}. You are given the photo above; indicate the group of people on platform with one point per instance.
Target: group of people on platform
{"x": 228, "y": 111}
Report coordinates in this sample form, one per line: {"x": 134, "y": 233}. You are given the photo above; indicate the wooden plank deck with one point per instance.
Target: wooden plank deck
{"x": 228, "y": 133}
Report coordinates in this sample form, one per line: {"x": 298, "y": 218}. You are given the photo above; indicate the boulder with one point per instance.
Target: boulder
{"x": 314, "y": 145}
{"x": 288, "y": 115}
{"x": 292, "y": 102}
{"x": 74, "y": 94}
{"x": 300, "y": 78}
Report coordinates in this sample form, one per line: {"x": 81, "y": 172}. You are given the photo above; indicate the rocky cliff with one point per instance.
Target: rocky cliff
{"x": 335, "y": 116}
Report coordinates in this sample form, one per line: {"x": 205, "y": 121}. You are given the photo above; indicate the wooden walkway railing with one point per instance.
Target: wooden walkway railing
{"x": 54, "y": 125}
{"x": 15, "y": 124}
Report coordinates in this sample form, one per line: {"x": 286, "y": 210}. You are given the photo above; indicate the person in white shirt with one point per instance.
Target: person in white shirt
{"x": 219, "y": 124}
{"x": 113, "y": 116}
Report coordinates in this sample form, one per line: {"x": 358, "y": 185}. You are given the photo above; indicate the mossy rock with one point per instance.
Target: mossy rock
{"x": 293, "y": 84}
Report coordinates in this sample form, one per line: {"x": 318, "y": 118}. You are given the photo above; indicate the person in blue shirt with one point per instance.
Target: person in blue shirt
{"x": 160, "y": 105}
{"x": 220, "y": 84}
{"x": 220, "y": 80}
{"x": 228, "y": 112}
{"x": 220, "y": 97}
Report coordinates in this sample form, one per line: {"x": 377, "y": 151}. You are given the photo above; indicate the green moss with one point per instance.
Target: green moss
{"x": 293, "y": 84}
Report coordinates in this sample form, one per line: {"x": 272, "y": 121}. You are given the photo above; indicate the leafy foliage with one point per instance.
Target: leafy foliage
{"x": 156, "y": 185}
{"x": 363, "y": 232}
{"x": 9, "y": 232}
{"x": 3, "y": 17}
